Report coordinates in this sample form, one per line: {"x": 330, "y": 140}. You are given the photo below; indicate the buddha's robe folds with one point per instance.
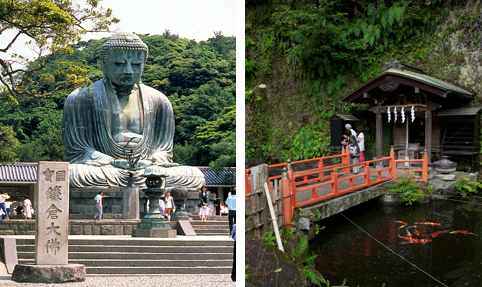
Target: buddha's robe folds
{"x": 90, "y": 144}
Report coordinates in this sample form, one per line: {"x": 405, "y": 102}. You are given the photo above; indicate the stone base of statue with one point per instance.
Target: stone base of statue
{"x": 154, "y": 227}
{"x": 130, "y": 202}
{"x": 179, "y": 215}
{"x": 49, "y": 273}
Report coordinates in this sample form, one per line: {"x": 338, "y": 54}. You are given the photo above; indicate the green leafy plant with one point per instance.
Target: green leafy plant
{"x": 306, "y": 263}
{"x": 408, "y": 190}
{"x": 467, "y": 186}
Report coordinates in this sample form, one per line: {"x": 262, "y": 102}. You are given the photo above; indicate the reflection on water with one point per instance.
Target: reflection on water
{"x": 346, "y": 252}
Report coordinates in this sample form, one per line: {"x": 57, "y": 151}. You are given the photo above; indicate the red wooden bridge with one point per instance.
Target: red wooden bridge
{"x": 310, "y": 186}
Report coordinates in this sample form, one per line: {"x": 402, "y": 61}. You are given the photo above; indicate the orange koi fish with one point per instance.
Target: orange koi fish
{"x": 416, "y": 232}
{"x": 427, "y": 223}
{"x": 462, "y": 232}
{"x": 413, "y": 240}
{"x": 439, "y": 232}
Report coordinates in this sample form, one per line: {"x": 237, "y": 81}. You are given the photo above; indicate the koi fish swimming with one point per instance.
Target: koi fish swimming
{"x": 409, "y": 238}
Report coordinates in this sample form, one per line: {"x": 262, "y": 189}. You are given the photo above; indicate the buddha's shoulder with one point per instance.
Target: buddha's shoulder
{"x": 87, "y": 92}
{"x": 148, "y": 91}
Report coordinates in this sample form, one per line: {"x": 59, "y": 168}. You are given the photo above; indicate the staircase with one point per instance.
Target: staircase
{"x": 214, "y": 226}
{"x": 114, "y": 255}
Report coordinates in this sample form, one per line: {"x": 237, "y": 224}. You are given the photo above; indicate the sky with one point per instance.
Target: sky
{"x": 191, "y": 19}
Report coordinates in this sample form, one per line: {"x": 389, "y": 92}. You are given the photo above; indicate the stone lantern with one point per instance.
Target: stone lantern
{"x": 154, "y": 224}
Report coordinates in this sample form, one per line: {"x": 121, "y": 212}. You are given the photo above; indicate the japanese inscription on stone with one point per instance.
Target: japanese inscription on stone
{"x": 52, "y": 218}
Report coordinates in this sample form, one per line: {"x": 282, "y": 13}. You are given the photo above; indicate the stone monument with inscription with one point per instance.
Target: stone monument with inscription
{"x": 51, "y": 230}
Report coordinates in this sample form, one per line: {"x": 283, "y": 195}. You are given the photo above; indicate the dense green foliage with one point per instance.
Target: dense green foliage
{"x": 408, "y": 190}
{"x": 466, "y": 186}
{"x": 50, "y": 27}
{"x": 312, "y": 53}
{"x": 198, "y": 79}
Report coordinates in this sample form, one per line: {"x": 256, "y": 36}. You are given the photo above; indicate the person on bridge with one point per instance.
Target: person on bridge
{"x": 354, "y": 150}
{"x": 361, "y": 142}
{"x": 349, "y": 128}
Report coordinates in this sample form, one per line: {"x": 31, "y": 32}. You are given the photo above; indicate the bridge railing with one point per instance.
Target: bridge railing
{"x": 340, "y": 181}
{"x": 335, "y": 178}
{"x": 343, "y": 159}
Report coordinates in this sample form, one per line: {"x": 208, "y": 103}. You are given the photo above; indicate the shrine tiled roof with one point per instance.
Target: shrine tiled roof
{"x": 224, "y": 177}
{"x": 411, "y": 78}
{"x": 27, "y": 172}
{"x": 20, "y": 172}
{"x": 431, "y": 81}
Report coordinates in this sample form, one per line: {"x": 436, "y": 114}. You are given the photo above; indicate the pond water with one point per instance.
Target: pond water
{"x": 345, "y": 251}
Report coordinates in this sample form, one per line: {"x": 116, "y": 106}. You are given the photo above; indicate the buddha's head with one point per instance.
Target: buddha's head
{"x": 123, "y": 57}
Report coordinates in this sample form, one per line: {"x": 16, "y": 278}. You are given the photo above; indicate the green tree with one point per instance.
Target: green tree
{"x": 50, "y": 26}
{"x": 8, "y": 144}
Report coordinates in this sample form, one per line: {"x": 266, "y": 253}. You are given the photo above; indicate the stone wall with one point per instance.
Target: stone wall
{"x": 76, "y": 227}
{"x": 82, "y": 202}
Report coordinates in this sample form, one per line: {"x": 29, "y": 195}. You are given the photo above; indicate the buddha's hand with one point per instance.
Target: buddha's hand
{"x": 170, "y": 164}
{"x": 93, "y": 163}
{"x": 143, "y": 163}
{"x": 119, "y": 163}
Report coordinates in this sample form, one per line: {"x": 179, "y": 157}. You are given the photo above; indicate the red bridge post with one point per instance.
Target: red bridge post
{"x": 287, "y": 208}
{"x": 393, "y": 166}
{"x": 425, "y": 166}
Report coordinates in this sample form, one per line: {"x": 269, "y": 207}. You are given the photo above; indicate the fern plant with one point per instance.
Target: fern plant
{"x": 306, "y": 263}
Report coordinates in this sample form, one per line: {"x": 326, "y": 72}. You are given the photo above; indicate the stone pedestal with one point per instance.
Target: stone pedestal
{"x": 130, "y": 203}
{"x": 179, "y": 194}
{"x": 154, "y": 227}
{"x": 49, "y": 273}
{"x": 445, "y": 176}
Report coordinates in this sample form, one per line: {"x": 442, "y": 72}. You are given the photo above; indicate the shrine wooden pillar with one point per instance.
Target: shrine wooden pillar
{"x": 428, "y": 133}
{"x": 379, "y": 136}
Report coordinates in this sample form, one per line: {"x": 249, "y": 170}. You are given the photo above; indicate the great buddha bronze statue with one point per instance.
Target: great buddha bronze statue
{"x": 116, "y": 112}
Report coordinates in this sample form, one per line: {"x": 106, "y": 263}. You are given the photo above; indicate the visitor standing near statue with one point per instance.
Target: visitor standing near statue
{"x": 169, "y": 205}
{"x": 118, "y": 112}
{"x": 203, "y": 203}
{"x": 231, "y": 202}
{"x": 98, "y": 204}
{"x": 3, "y": 197}
{"x": 27, "y": 208}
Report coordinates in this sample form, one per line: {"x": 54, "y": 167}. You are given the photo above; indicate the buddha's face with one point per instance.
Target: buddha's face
{"x": 124, "y": 67}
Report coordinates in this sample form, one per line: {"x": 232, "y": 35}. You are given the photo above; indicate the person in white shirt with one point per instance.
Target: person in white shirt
{"x": 27, "y": 208}
{"x": 231, "y": 202}
{"x": 3, "y": 197}
{"x": 361, "y": 142}
{"x": 349, "y": 128}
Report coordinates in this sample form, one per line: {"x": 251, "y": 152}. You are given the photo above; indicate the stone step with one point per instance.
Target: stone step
{"x": 136, "y": 256}
{"x": 210, "y": 222}
{"x": 158, "y": 270}
{"x": 211, "y": 232}
{"x": 145, "y": 263}
{"x": 134, "y": 242}
{"x": 207, "y": 227}
{"x": 210, "y": 217}
{"x": 151, "y": 249}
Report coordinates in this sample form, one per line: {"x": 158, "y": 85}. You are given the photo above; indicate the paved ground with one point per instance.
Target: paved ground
{"x": 136, "y": 281}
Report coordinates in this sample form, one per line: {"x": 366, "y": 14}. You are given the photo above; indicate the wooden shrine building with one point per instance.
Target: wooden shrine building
{"x": 425, "y": 112}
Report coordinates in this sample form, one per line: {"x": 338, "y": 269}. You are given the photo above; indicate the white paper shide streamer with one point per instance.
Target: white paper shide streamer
{"x": 388, "y": 112}
{"x": 413, "y": 113}
{"x": 395, "y": 115}
{"x": 403, "y": 115}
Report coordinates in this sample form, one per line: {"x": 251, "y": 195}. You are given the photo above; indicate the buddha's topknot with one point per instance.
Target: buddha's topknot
{"x": 123, "y": 41}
